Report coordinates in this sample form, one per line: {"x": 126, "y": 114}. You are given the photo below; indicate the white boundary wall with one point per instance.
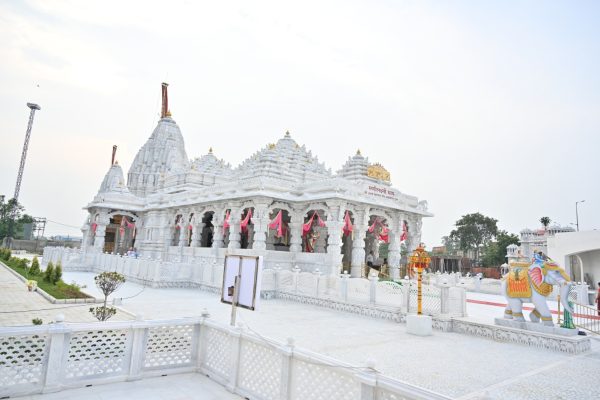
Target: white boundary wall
{"x": 51, "y": 358}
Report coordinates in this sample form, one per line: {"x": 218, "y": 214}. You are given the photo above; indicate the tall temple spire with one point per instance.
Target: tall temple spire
{"x": 164, "y": 111}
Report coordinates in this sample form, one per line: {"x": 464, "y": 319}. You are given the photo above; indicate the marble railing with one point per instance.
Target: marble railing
{"x": 385, "y": 299}
{"x": 372, "y": 296}
{"x": 52, "y": 358}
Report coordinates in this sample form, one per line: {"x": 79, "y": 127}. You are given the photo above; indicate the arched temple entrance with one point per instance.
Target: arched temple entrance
{"x": 120, "y": 234}
{"x": 208, "y": 229}
{"x": 278, "y": 237}
{"x": 314, "y": 232}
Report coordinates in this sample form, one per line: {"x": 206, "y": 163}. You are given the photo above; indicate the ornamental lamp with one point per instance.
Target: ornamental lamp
{"x": 420, "y": 260}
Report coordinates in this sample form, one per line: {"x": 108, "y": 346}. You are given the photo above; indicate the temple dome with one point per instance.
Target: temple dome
{"x": 163, "y": 154}
{"x": 113, "y": 180}
{"x": 358, "y": 167}
{"x": 209, "y": 164}
{"x": 286, "y": 160}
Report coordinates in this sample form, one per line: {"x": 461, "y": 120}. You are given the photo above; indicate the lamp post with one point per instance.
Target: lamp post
{"x": 577, "y": 213}
{"x": 420, "y": 260}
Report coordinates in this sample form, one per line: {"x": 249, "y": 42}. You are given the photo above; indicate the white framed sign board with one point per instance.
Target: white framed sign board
{"x": 241, "y": 282}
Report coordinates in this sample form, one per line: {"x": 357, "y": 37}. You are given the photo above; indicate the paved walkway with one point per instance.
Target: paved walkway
{"x": 177, "y": 387}
{"x": 18, "y": 306}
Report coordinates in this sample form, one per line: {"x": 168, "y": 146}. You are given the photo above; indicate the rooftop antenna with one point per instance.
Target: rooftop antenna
{"x": 33, "y": 107}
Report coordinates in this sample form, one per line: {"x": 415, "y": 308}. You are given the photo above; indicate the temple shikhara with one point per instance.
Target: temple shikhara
{"x": 281, "y": 203}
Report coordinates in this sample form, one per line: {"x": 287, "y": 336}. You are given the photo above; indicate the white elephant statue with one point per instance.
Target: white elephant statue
{"x": 533, "y": 285}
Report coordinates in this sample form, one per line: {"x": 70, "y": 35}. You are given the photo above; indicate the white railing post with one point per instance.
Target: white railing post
{"x": 276, "y": 278}
{"x": 373, "y": 289}
{"x": 287, "y": 358}
{"x": 202, "y": 340}
{"x": 235, "y": 341}
{"x": 296, "y": 275}
{"x": 58, "y": 346}
{"x": 318, "y": 281}
{"x": 406, "y": 294}
{"x": 368, "y": 382}
{"x": 444, "y": 298}
{"x": 344, "y": 286}
{"x": 138, "y": 351}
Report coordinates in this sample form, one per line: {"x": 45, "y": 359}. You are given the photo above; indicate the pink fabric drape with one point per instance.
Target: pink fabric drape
{"x": 226, "y": 222}
{"x": 94, "y": 226}
{"x": 404, "y": 232}
{"x": 277, "y": 224}
{"x": 348, "y": 228}
{"x": 244, "y": 223}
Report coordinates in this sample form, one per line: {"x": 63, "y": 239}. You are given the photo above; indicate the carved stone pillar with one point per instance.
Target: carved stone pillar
{"x": 358, "y": 244}
{"x": 394, "y": 255}
{"x": 234, "y": 229}
{"x": 296, "y": 223}
{"x": 217, "y": 222}
{"x": 197, "y": 230}
{"x": 334, "y": 241}
{"x": 261, "y": 222}
{"x": 102, "y": 223}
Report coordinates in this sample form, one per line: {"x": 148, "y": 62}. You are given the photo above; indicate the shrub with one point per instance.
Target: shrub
{"x": 37, "y": 321}
{"x": 5, "y": 254}
{"x": 49, "y": 273}
{"x": 57, "y": 273}
{"x": 35, "y": 267}
{"x": 103, "y": 313}
{"x": 23, "y": 263}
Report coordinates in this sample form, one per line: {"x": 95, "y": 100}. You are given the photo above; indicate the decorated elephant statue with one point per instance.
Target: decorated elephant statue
{"x": 533, "y": 285}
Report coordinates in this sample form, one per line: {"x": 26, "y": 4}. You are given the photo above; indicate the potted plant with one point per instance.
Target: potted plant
{"x": 31, "y": 285}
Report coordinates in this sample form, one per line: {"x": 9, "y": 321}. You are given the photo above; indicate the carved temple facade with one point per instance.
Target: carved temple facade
{"x": 280, "y": 203}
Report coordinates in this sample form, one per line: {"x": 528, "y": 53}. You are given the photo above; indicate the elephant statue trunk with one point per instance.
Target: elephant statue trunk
{"x": 564, "y": 296}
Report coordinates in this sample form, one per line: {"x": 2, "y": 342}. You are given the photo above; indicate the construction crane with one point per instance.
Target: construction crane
{"x": 34, "y": 107}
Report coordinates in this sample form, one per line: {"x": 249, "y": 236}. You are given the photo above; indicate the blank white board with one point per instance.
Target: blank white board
{"x": 248, "y": 268}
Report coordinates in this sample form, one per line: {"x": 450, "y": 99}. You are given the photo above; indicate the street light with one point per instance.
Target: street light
{"x": 577, "y": 213}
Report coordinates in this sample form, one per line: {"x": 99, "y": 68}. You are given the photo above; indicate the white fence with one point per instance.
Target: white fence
{"x": 386, "y": 299}
{"x": 374, "y": 296}
{"x": 50, "y": 358}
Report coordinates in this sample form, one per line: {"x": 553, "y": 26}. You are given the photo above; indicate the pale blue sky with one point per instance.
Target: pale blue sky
{"x": 472, "y": 105}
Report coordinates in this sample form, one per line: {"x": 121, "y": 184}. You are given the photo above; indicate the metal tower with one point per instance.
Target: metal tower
{"x": 8, "y": 239}
{"x": 33, "y": 107}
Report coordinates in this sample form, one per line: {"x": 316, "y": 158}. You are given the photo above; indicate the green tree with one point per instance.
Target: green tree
{"x": 474, "y": 231}
{"x": 12, "y": 209}
{"x": 545, "y": 221}
{"x": 49, "y": 272}
{"x": 35, "y": 267}
{"x": 107, "y": 282}
{"x": 57, "y": 273}
{"x": 495, "y": 252}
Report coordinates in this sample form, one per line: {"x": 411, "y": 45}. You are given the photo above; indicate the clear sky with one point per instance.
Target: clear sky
{"x": 489, "y": 106}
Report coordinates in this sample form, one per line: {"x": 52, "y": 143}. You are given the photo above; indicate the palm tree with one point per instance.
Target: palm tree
{"x": 545, "y": 221}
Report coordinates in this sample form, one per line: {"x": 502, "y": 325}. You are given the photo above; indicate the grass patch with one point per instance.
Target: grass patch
{"x": 61, "y": 290}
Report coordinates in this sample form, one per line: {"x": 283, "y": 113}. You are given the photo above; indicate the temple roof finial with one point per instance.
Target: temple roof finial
{"x": 358, "y": 152}
{"x": 164, "y": 111}
{"x": 210, "y": 150}
{"x": 287, "y": 133}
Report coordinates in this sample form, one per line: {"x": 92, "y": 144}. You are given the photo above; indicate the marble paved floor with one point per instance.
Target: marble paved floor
{"x": 173, "y": 387}
{"x": 453, "y": 364}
